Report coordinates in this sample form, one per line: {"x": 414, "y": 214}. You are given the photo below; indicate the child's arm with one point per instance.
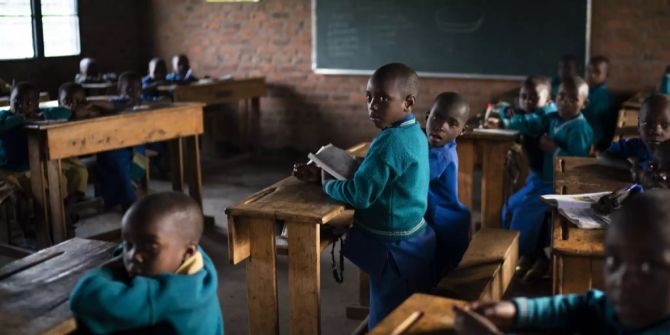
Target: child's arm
{"x": 10, "y": 120}
{"x": 578, "y": 144}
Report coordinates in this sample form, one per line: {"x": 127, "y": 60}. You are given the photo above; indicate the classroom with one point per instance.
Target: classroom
{"x": 334, "y": 167}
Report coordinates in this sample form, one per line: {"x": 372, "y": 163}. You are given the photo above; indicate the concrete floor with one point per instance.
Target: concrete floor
{"x": 226, "y": 183}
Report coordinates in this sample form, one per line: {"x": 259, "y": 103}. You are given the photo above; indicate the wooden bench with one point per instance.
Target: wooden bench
{"x": 437, "y": 318}
{"x": 486, "y": 269}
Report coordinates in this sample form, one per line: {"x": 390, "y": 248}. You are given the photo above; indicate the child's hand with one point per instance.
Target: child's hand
{"x": 492, "y": 123}
{"x": 309, "y": 173}
{"x": 86, "y": 112}
{"x": 501, "y": 314}
{"x": 547, "y": 144}
{"x": 468, "y": 322}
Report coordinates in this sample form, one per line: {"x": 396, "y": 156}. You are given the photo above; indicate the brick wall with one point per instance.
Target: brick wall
{"x": 272, "y": 38}
{"x": 111, "y": 31}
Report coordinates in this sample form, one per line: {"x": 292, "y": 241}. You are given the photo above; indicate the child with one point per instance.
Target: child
{"x": 162, "y": 283}
{"x": 390, "y": 239}
{"x": 88, "y": 72}
{"x": 566, "y": 134}
{"x": 155, "y": 78}
{"x": 14, "y": 162}
{"x": 448, "y": 217}
{"x": 665, "y": 82}
{"x": 181, "y": 70}
{"x": 637, "y": 284}
{"x": 120, "y": 170}
{"x": 653, "y": 127}
{"x": 567, "y": 67}
{"x": 599, "y": 113}
{"x": 534, "y": 104}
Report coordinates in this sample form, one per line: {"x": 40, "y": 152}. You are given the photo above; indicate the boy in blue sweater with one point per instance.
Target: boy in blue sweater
{"x": 155, "y": 78}
{"x": 448, "y": 217}
{"x": 637, "y": 284}
{"x": 181, "y": 71}
{"x": 161, "y": 283}
{"x": 565, "y": 133}
{"x": 390, "y": 239}
{"x": 599, "y": 112}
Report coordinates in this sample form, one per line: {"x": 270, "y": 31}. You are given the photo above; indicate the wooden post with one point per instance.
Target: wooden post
{"x": 177, "y": 155}
{"x": 38, "y": 187}
{"x": 466, "y": 167}
{"x": 304, "y": 278}
{"x": 192, "y": 148}
{"x": 56, "y": 196}
{"x": 262, "y": 277}
{"x": 254, "y": 132}
{"x": 493, "y": 164}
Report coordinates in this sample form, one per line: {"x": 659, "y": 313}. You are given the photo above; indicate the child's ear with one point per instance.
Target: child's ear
{"x": 427, "y": 115}
{"x": 191, "y": 250}
{"x": 410, "y": 100}
{"x": 586, "y": 103}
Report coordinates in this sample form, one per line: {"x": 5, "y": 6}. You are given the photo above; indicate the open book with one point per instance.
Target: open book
{"x": 577, "y": 209}
{"x": 337, "y": 162}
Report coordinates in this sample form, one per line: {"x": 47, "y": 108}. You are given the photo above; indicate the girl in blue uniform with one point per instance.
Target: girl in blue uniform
{"x": 446, "y": 214}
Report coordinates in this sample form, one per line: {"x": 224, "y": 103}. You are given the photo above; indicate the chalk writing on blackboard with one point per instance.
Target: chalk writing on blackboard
{"x": 461, "y": 16}
{"x": 343, "y": 40}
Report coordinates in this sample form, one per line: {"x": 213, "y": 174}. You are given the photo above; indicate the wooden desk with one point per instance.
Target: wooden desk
{"x": 34, "y": 290}
{"x": 51, "y": 143}
{"x": 438, "y": 315}
{"x": 487, "y": 149}
{"x": 251, "y": 235}
{"x": 99, "y": 88}
{"x": 245, "y": 91}
{"x": 578, "y": 254}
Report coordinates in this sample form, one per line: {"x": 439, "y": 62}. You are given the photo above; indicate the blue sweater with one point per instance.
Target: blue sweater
{"x": 165, "y": 304}
{"x": 631, "y": 148}
{"x": 572, "y": 138}
{"x": 390, "y": 188}
{"x": 589, "y": 313}
{"x": 531, "y": 125}
{"x": 600, "y": 115}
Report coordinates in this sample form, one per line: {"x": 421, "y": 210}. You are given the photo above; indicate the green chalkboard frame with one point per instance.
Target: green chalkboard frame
{"x": 431, "y": 74}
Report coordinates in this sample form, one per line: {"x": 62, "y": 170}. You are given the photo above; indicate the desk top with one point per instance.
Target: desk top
{"x": 635, "y": 102}
{"x": 584, "y": 175}
{"x": 490, "y": 135}
{"x": 34, "y": 290}
{"x": 438, "y": 315}
{"x": 293, "y": 200}
{"x": 219, "y": 92}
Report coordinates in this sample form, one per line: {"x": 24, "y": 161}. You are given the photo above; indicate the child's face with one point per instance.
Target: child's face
{"x": 443, "y": 126}
{"x": 91, "y": 70}
{"x": 637, "y": 275}
{"x": 180, "y": 65}
{"x": 131, "y": 89}
{"x": 26, "y": 102}
{"x": 654, "y": 124}
{"x": 533, "y": 97}
{"x": 386, "y": 104}
{"x": 569, "y": 102}
{"x": 567, "y": 69}
{"x": 73, "y": 100}
{"x": 153, "y": 248}
{"x": 596, "y": 74}
{"x": 158, "y": 70}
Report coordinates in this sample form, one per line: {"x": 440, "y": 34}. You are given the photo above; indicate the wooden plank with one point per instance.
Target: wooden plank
{"x": 36, "y": 157}
{"x": 304, "y": 278}
{"x": 76, "y": 138}
{"x": 493, "y": 167}
{"x": 56, "y": 205}
{"x": 597, "y": 273}
{"x": 221, "y": 91}
{"x": 466, "y": 167}
{"x": 34, "y": 290}
{"x": 438, "y": 315}
{"x": 192, "y": 148}
{"x": 262, "y": 277}
{"x": 238, "y": 240}
{"x": 574, "y": 274}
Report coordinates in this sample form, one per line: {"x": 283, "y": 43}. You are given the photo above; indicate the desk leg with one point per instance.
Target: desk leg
{"x": 493, "y": 165}
{"x": 254, "y": 132}
{"x": 466, "y": 167}
{"x": 244, "y": 124}
{"x": 177, "y": 162}
{"x": 38, "y": 188}
{"x": 262, "y": 277}
{"x": 56, "y": 205}
{"x": 304, "y": 278}
{"x": 194, "y": 175}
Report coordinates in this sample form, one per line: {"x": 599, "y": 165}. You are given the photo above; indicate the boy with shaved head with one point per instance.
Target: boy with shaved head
{"x": 390, "y": 239}
{"x": 162, "y": 283}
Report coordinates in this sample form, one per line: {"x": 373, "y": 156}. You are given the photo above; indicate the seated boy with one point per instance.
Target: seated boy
{"x": 534, "y": 104}
{"x": 14, "y": 162}
{"x": 636, "y": 299}
{"x": 161, "y": 283}
{"x": 448, "y": 217}
{"x": 665, "y": 82}
{"x": 567, "y": 67}
{"x": 155, "y": 78}
{"x": 88, "y": 72}
{"x": 653, "y": 127}
{"x": 600, "y": 113}
{"x": 181, "y": 71}
{"x": 121, "y": 170}
{"x": 566, "y": 133}
{"x": 390, "y": 239}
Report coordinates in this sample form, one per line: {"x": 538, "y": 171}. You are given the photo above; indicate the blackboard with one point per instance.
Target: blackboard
{"x": 504, "y": 39}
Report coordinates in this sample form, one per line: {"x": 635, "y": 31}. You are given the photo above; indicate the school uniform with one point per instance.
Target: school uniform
{"x": 448, "y": 217}
{"x": 665, "y": 84}
{"x": 600, "y": 115}
{"x": 525, "y": 211}
{"x": 175, "y": 77}
{"x": 185, "y": 302}
{"x": 390, "y": 239}
{"x": 589, "y": 313}
{"x": 631, "y": 148}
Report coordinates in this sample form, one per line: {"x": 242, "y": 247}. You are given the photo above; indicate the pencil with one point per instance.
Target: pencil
{"x": 404, "y": 326}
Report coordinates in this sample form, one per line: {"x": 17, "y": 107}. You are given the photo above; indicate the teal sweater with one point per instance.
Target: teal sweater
{"x": 390, "y": 189}
{"x": 589, "y": 313}
{"x": 601, "y": 115}
{"x": 165, "y": 304}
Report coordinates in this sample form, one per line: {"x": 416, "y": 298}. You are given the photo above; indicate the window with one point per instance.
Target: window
{"x": 38, "y": 28}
